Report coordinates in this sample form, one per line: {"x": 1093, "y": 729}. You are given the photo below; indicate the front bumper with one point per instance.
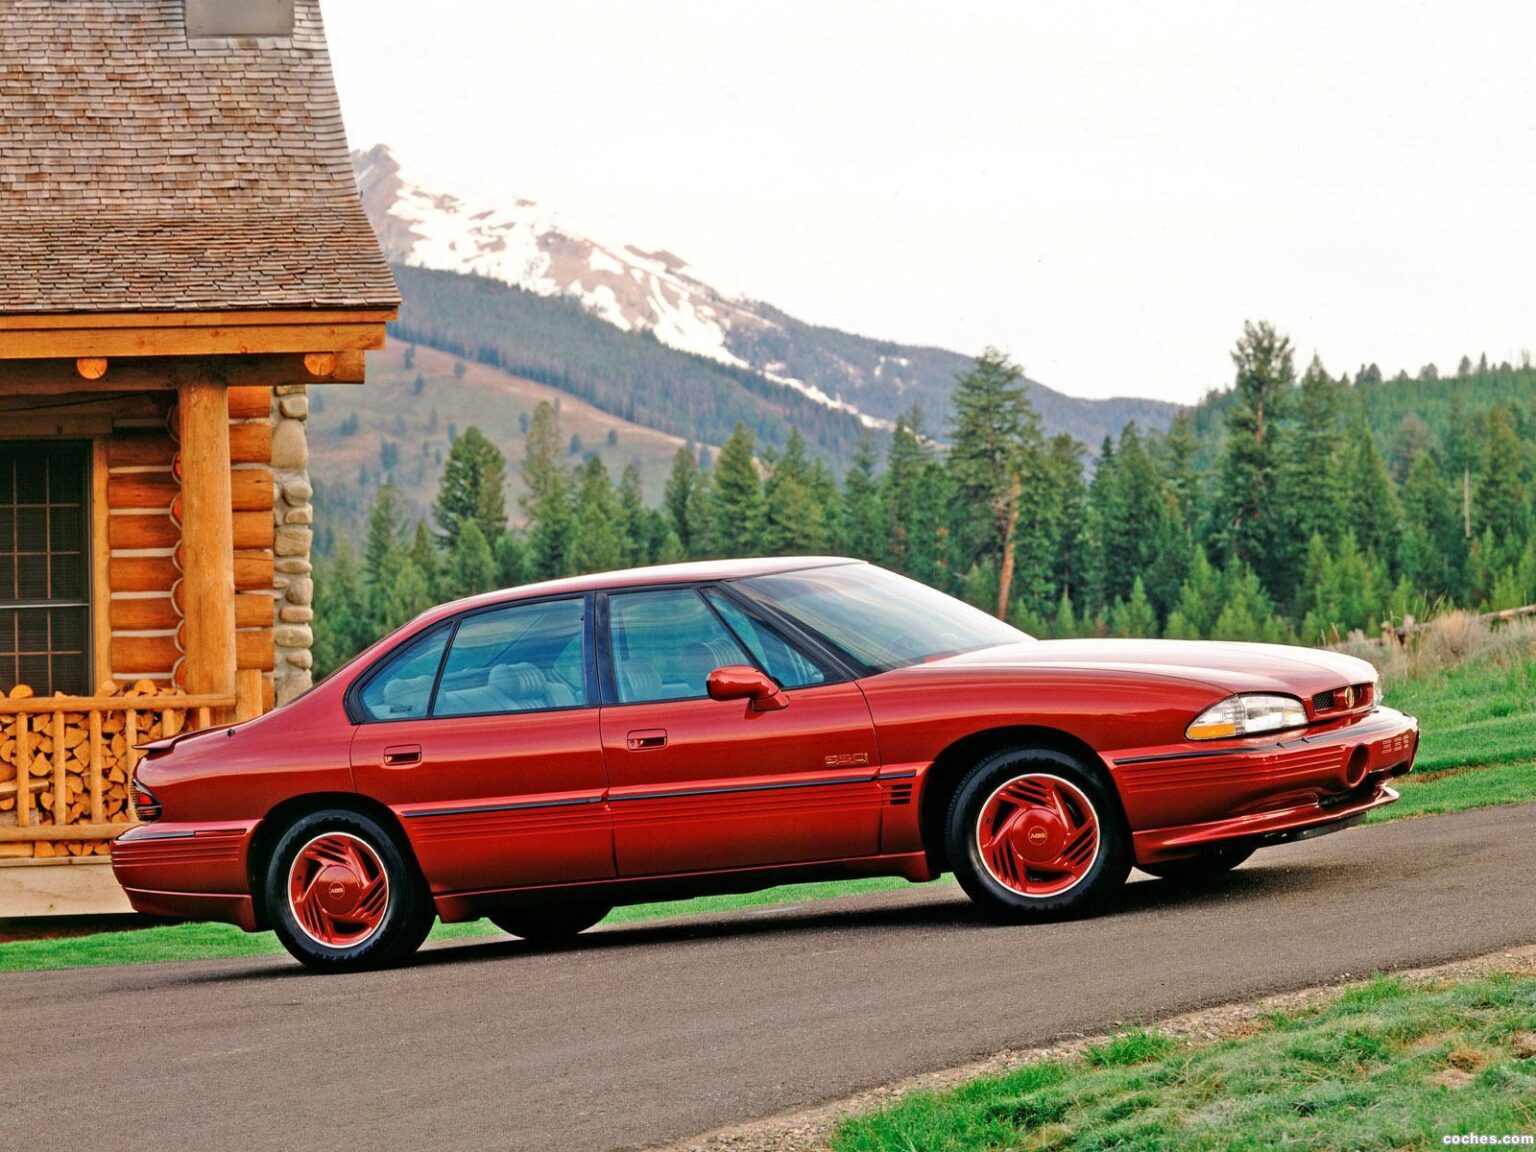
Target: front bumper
{"x": 188, "y": 871}
{"x": 1182, "y": 799}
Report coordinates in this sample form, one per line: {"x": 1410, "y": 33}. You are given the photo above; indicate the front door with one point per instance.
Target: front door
{"x": 698, "y": 784}
{"x": 483, "y": 738}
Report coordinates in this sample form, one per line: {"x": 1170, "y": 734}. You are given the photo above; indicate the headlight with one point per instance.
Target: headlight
{"x": 1247, "y": 716}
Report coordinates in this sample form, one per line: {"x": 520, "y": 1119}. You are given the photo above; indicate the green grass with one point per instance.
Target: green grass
{"x": 1478, "y": 734}
{"x": 221, "y": 941}
{"x": 1388, "y": 1065}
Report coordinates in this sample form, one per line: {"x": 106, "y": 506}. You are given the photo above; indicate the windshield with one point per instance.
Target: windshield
{"x": 882, "y": 620}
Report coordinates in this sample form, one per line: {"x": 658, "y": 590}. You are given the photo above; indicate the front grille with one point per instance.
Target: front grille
{"x": 1337, "y": 699}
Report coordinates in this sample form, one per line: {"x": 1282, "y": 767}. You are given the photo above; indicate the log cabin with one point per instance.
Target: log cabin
{"x": 182, "y": 256}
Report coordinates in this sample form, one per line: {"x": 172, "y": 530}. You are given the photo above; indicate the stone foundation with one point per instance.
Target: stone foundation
{"x": 293, "y": 606}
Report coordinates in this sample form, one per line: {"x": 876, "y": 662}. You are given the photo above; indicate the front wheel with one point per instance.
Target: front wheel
{"x": 547, "y": 923}
{"x": 1207, "y": 865}
{"x": 342, "y": 895}
{"x": 1033, "y": 835}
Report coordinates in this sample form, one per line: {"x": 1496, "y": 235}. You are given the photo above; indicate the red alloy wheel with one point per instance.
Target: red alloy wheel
{"x": 338, "y": 890}
{"x": 1038, "y": 835}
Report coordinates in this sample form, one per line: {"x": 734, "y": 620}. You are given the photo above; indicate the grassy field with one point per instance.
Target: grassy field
{"x": 1386, "y": 1066}
{"x": 1470, "y": 690}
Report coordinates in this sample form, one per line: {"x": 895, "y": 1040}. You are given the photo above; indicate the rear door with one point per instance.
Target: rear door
{"x": 482, "y": 735}
{"x": 699, "y": 784}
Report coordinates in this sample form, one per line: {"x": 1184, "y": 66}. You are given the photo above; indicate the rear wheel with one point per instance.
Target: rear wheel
{"x": 547, "y": 923}
{"x": 342, "y": 895}
{"x": 1033, "y": 835}
{"x": 1207, "y": 865}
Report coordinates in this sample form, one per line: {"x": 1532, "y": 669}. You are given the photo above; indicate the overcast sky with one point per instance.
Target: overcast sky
{"x": 1106, "y": 191}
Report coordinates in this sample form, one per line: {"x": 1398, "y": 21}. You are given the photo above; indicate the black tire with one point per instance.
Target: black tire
{"x": 382, "y": 938}
{"x": 1102, "y": 873}
{"x": 547, "y": 923}
{"x": 1208, "y": 865}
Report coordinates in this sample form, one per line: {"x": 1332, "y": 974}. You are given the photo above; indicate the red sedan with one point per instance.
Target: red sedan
{"x": 543, "y": 754}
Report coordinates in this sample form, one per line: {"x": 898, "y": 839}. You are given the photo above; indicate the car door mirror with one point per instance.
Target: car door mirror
{"x": 743, "y": 682}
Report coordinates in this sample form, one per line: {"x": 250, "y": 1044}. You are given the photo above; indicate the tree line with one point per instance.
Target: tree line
{"x": 1269, "y": 512}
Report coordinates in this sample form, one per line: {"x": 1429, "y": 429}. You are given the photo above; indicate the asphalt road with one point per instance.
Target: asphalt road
{"x": 643, "y": 1033}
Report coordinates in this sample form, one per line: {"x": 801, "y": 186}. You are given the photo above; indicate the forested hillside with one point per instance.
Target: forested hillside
{"x": 1282, "y": 519}
{"x": 631, "y": 375}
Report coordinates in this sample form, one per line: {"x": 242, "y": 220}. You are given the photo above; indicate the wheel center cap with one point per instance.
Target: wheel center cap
{"x": 1040, "y": 837}
{"x": 337, "y": 889}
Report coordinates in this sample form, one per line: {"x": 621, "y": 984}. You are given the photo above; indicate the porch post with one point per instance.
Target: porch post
{"x": 207, "y": 534}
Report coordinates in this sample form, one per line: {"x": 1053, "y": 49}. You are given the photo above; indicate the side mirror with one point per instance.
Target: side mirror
{"x": 743, "y": 682}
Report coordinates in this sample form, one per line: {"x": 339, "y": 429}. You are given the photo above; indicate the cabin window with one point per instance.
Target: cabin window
{"x": 44, "y": 570}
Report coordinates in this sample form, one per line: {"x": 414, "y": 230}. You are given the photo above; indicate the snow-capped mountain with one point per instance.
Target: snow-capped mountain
{"x": 517, "y": 242}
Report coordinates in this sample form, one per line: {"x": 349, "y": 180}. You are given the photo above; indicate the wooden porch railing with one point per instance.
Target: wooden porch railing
{"x": 66, "y": 762}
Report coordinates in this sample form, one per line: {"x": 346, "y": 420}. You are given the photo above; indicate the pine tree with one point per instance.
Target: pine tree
{"x": 793, "y": 520}
{"x": 1254, "y": 520}
{"x": 930, "y": 544}
{"x": 473, "y": 487}
{"x": 737, "y": 492}
{"x": 1498, "y": 499}
{"x": 1433, "y": 552}
{"x": 1065, "y": 625}
{"x": 408, "y": 596}
{"x": 382, "y": 553}
{"x": 511, "y": 560}
{"x": 680, "y": 499}
{"x": 633, "y": 524}
{"x": 474, "y": 566}
{"x": 342, "y": 627}
{"x": 905, "y": 460}
{"x": 1368, "y": 485}
{"x": 596, "y": 545}
{"x": 1313, "y": 485}
{"x": 994, "y": 437}
{"x": 1134, "y": 617}
{"x": 423, "y": 554}
{"x": 548, "y": 500}
{"x": 863, "y": 517}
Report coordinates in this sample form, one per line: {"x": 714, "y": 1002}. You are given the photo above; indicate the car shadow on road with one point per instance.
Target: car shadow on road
{"x": 942, "y": 907}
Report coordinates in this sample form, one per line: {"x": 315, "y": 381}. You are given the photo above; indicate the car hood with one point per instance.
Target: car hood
{"x": 1224, "y": 666}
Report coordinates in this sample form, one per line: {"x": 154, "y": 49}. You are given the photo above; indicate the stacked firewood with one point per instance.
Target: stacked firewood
{"x": 42, "y": 734}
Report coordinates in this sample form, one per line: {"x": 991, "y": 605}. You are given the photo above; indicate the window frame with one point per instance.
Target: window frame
{"x": 836, "y": 666}
{"x": 358, "y": 715}
{"x": 88, "y": 560}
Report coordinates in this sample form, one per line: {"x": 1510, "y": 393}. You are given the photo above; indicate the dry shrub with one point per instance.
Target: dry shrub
{"x": 1448, "y": 641}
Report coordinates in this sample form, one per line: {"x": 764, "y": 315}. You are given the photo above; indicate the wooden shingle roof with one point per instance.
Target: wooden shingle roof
{"x": 141, "y": 171}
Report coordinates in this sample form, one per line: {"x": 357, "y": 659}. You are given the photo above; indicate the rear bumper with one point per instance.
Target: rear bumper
{"x": 1184, "y": 799}
{"x": 188, "y": 871}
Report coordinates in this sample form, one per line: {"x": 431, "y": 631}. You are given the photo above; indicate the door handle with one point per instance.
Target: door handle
{"x": 402, "y": 755}
{"x": 645, "y": 738}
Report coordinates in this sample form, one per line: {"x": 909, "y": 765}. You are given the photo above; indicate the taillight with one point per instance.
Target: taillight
{"x": 145, "y": 806}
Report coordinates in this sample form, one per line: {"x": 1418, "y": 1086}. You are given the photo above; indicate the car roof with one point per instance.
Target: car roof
{"x": 635, "y": 577}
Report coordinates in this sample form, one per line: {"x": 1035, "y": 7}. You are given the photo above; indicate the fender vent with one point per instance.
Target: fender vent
{"x": 900, "y": 794}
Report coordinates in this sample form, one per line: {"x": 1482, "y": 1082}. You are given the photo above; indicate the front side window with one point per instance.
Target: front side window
{"x": 665, "y": 644}
{"x": 789, "y": 667}
{"x": 521, "y": 658}
{"x": 402, "y": 688}
{"x": 44, "y": 607}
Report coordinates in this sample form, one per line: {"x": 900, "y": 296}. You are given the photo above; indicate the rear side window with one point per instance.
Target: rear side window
{"x": 402, "y": 688}
{"x": 521, "y": 658}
